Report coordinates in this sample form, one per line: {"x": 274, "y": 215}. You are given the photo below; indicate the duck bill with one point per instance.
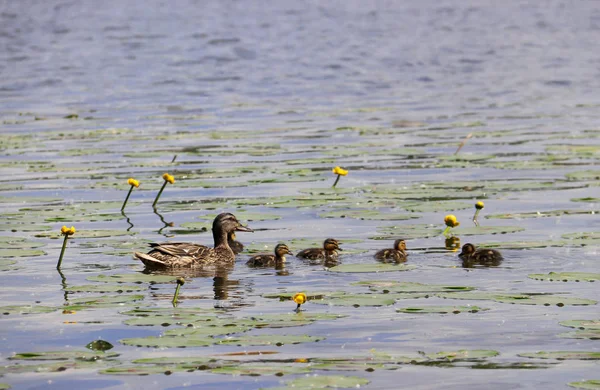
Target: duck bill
{"x": 243, "y": 229}
{"x": 339, "y": 249}
{"x": 290, "y": 253}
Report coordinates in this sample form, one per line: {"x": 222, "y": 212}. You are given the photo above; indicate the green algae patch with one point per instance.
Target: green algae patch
{"x": 377, "y": 267}
{"x": 441, "y": 309}
{"x": 566, "y": 277}
{"x": 563, "y": 355}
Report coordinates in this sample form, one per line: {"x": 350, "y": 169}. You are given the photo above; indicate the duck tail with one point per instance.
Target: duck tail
{"x": 149, "y": 261}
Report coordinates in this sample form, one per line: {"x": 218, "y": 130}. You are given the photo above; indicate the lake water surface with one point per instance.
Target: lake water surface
{"x": 250, "y": 105}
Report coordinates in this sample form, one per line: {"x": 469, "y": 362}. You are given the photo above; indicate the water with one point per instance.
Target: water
{"x": 259, "y": 101}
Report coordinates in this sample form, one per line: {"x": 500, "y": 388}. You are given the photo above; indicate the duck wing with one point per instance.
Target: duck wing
{"x": 180, "y": 249}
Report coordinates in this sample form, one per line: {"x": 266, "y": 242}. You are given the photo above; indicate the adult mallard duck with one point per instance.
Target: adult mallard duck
{"x": 484, "y": 256}
{"x": 236, "y": 246}
{"x": 397, "y": 253}
{"x": 271, "y": 260}
{"x": 185, "y": 254}
{"x": 328, "y": 252}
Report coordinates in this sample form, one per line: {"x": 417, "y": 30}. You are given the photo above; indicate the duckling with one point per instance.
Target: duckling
{"x": 271, "y": 260}
{"x": 236, "y": 246}
{"x": 397, "y": 253}
{"x": 484, "y": 256}
{"x": 185, "y": 254}
{"x": 328, "y": 252}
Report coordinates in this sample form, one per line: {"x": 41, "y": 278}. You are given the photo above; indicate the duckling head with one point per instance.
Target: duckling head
{"x": 281, "y": 250}
{"x": 400, "y": 245}
{"x": 331, "y": 244}
{"x": 467, "y": 250}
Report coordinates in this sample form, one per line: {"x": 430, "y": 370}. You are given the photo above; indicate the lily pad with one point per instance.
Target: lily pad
{"x": 133, "y": 278}
{"x": 591, "y": 384}
{"x": 542, "y": 214}
{"x": 101, "y": 301}
{"x": 277, "y": 340}
{"x": 582, "y": 324}
{"x": 86, "y": 234}
{"x": 375, "y": 267}
{"x": 64, "y": 355}
{"x": 21, "y": 252}
{"x": 168, "y": 342}
{"x": 408, "y": 287}
{"x": 257, "y": 369}
{"x": 477, "y": 230}
{"x": 105, "y": 288}
{"x": 357, "y": 300}
{"x": 463, "y": 355}
{"x": 327, "y": 381}
{"x": 441, "y": 309}
{"x": 140, "y": 370}
{"x": 591, "y": 334}
{"x": 522, "y": 299}
{"x": 26, "y": 309}
{"x": 563, "y": 355}
{"x": 367, "y": 214}
{"x": 566, "y": 277}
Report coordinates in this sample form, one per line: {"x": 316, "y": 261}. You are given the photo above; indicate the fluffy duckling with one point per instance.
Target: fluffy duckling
{"x": 185, "y": 254}
{"x": 328, "y": 252}
{"x": 483, "y": 256}
{"x": 271, "y": 260}
{"x": 397, "y": 253}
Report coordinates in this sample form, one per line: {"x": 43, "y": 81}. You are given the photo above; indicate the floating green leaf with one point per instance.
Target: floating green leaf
{"x": 463, "y": 355}
{"x": 566, "y": 277}
{"x": 64, "y": 355}
{"x": 563, "y": 355}
{"x": 26, "y": 309}
{"x": 105, "y": 288}
{"x": 277, "y": 340}
{"x": 582, "y": 324}
{"x": 591, "y": 334}
{"x": 327, "y": 381}
{"x": 441, "y": 309}
{"x": 256, "y": 369}
{"x": 591, "y": 384}
{"x": 133, "y": 278}
{"x": 407, "y": 287}
{"x": 375, "y": 267}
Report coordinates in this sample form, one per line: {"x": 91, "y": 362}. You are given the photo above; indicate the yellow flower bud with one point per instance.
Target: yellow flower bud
{"x": 450, "y": 221}
{"x": 299, "y": 298}
{"x": 340, "y": 171}
{"x": 133, "y": 182}
{"x": 479, "y": 205}
{"x": 168, "y": 178}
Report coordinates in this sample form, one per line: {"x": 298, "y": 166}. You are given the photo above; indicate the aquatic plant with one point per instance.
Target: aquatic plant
{"x": 339, "y": 172}
{"x": 478, "y": 207}
{"x": 300, "y": 299}
{"x": 133, "y": 183}
{"x": 180, "y": 282}
{"x": 168, "y": 179}
{"x": 65, "y": 231}
{"x": 451, "y": 222}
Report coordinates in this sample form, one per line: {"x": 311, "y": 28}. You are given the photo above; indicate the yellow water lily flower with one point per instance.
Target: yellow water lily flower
{"x": 299, "y": 298}
{"x": 339, "y": 171}
{"x": 133, "y": 182}
{"x": 168, "y": 178}
{"x": 478, "y": 206}
{"x": 67, "y": 231}
{"x": 451, "y": 221}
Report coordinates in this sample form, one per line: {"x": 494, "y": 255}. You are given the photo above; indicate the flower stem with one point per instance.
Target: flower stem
{"x": 127, "y": 198}
{"x": 159, "y": 194}
{"x": 180, "y": 283}
{"x": 475, "y": 218}
{"x": 446, "y": 231}
{"x": 336, "y": 181}
{"x": 62, "y": 252}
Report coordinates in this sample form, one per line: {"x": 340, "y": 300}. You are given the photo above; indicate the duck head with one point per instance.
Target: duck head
{"x": 331, "y": 244}
{"x": 400, "y": 245}
{"x": 467, "y": 250}
{"x": 281, "y": 250}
